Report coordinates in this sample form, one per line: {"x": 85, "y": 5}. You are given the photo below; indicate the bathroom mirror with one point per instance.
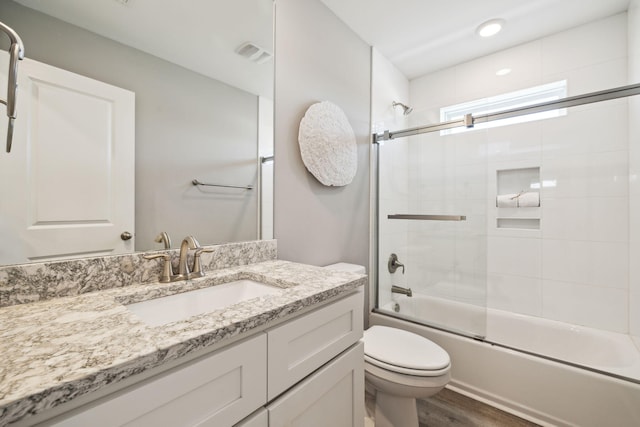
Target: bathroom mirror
{"x": 202, "y": 75}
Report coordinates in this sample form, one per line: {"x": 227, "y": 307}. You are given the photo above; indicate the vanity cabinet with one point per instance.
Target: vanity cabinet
{"x": 332, "y": 396}
{"x": 258, "y": 419}
{"x": 307, "y": 371}
{"x": 217, "y": 390}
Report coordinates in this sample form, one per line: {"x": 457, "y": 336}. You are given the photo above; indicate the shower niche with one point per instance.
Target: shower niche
{"x": 518, "y": 198}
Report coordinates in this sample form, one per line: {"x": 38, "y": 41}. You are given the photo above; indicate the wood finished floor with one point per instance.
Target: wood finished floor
{"x": 449, "y": 408}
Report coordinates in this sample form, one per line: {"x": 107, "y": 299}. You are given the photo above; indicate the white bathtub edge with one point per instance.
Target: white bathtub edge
{"x": 548, "y": 393}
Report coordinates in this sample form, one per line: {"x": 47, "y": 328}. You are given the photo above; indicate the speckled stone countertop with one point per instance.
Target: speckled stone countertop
{"x": 56, "y": 350}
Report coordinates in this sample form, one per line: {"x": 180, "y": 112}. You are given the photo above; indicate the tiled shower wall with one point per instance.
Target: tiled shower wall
{"x": 575, "y": 267}
{"x": 634, "y": 169}
{"x": 390, "y": 85}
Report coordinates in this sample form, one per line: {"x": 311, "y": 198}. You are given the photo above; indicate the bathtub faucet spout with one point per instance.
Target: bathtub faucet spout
{"x": 400, "y": 290}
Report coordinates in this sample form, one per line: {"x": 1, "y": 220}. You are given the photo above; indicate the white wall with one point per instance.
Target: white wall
{"x": 575, "y": 268}
{"x": 388, "y": 85}
{"x": 187, "y": 126}
{"x": 634, "y": 168}
{"x": 319, "y": 58}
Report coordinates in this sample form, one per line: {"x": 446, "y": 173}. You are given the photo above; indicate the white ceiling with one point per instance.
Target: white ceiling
{"x": 421, "y": 36}
{"x": 201, "y": 35}
{"x": 418, "y": 36}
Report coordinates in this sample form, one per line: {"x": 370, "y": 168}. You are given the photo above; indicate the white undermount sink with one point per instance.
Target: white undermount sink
{"x": 160, "y": 311}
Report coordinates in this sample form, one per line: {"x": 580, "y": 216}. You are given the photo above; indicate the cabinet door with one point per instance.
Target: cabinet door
{"x": 332, "y": 396}
{"x": 301, "y": 346}
{"x": 217, "y": 390}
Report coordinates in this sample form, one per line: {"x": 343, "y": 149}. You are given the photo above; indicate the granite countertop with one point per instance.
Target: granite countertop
{"x": 54, "y": 351}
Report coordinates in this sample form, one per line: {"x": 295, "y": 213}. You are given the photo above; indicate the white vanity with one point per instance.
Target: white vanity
{"x": 308, "y": 369}
{"x": 289, "y": 359}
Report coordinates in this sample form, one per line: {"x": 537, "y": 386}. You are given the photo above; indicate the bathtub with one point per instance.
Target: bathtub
{"x": 551, "y": 373}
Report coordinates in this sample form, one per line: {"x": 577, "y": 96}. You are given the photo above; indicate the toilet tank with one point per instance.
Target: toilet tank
{"x": 344, "y": 266}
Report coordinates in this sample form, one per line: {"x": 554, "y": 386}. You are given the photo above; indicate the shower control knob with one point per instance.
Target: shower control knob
{"x": 394, "y": 264}
{"x": 126, "y": 236}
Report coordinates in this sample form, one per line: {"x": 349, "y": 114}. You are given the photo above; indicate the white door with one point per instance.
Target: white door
{"x": 67, "y": 187}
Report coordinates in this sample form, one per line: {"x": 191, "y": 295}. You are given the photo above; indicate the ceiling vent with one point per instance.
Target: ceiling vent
{"x": 254, "y": 52}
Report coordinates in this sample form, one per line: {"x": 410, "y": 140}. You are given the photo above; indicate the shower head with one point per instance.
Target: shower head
{"x": 406, "y": 109}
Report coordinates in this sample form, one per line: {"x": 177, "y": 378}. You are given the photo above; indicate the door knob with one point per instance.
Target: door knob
{"x": 126, "y": 235}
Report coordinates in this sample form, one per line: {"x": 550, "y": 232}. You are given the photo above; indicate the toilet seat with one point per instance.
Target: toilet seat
{"x": 405, "y": 371}
{"x": 404, "y": 352}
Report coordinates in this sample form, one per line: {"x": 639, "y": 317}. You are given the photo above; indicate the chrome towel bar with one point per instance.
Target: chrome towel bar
{"x": 244, "y": 187}
{"x": 429, "y": 217}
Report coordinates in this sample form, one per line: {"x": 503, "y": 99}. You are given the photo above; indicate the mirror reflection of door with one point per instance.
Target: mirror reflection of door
{"x": 67, "y": 126}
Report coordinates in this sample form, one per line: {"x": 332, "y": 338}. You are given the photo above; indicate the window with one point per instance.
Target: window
{"x": 521, "y": 98}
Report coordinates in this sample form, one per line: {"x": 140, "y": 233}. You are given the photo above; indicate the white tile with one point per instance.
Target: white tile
{"x": 566, "y": 219}
{"x": 469, "y": 73}
{"x": 470, "y": 147}
{"x": 565, "y": 136}
{"x": 634, "y": 266}
{"x": 515, "y": 256}
{"x": 595, "y": 263}
{"x": 604, "y": 219}
{"x": 565, "y": 260}
{"x": 602, "y": 308}
{"x": 565, "y": 176}
{"x": 609, "y": 219}
{"x": 515, "y": 293}
{"x": 522, "y": 141}
{"x": 524, "y": 61}
{"x": 634, "y": 314}
{"x": 601, "y": 76}
{"x": 581, "y": 131}
{"x": 470, "y": 182}
{"x": 610, "y": 264}
{"x": 609, "y": 174}
{"x": 433, "y": 90}
{"x": 634, "y": 146}
{"x": 616, "y": 135}
{"x": 634, "y": 238}
{"x": 585, "y": 45}
{"x": 471, "y": 255}
{"x": 393, "y": 178}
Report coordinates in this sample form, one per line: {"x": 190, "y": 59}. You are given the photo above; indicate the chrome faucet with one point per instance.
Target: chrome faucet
{"x": 400, "y": 290}
{"x": 164, "y": 238}
{"x": 188, "y": 243}
{"x": 184, "y": 272}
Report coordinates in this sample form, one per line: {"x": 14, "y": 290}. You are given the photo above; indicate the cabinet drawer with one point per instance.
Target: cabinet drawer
{"x": 298, "y": 348}
{"x": 332, "y": 396}
{"x": 217, "y": 390}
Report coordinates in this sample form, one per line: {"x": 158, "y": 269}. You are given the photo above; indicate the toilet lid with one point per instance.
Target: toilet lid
{"x": 403, "y": 349}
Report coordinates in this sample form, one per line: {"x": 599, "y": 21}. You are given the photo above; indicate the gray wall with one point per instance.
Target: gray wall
{"x": 318, "y": 58}
{"x": 187, "y": 126}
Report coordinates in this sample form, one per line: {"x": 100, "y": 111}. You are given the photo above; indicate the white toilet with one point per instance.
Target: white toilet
{"x": 400, "y": 366}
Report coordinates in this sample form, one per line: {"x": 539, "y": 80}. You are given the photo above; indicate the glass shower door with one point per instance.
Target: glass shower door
{"x": 432, "y": 214}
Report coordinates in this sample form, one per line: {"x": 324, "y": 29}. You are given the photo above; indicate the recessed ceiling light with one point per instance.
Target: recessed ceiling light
{"x": 490, "y": 28}
{"x": 503, "y": 71}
